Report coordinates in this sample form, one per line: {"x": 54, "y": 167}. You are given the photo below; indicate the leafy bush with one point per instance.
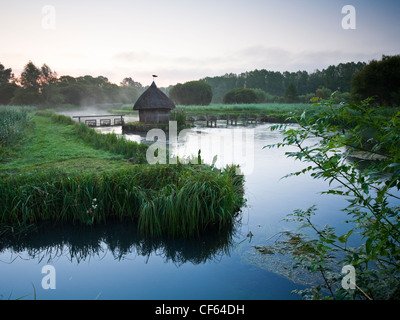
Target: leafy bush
{"x": 180, "y": 116}
{"x": 291, "y": 95}
{"x": 371, "y": 185}
{"x": 25, "y": 97}
{"x": 379, "y": 79}
{"x": 191, "y": 93}
{"x": 7, "y": 92}
{"x": 241, "y": 96}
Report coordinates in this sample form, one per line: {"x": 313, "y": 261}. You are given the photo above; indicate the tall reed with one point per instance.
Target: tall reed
{"x": 172, "y": 200}
{"x": 12, "y": 126}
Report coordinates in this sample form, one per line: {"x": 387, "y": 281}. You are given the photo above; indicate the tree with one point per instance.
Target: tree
{"x": 47, "y": 76}
{"x": 323, "y": 93}
{"x": 129, "y": 82}
{"x": 291, "y": 95}
{"x": 380, "y": 79}
{"x": 39, "y": 86}
{"x": 5, "y": 75}
{"x": 128, "y": 94}
{"x": 191, "y": 93}
{"x": 25, "y": 97}
{"x": 240, "y": 95}
{"x": 50, "y": 92}
{"x": 29, "y": 93}
{"x": 72, "y": 93}
{"x": 7, "y": 92}
{"x": 262, "y": 96}
{"x": 7, "y": 89}
{"x": 112, "y": 93}
{"x": 371, "y": 187}
{"x": 30, "y": 77}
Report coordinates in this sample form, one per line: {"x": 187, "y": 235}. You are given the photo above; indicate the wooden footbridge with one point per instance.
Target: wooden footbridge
{"x": 233, "y": 119}
{"x": 108, "y": 120}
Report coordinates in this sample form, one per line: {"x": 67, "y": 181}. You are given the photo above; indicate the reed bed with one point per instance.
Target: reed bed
{"x": 166, "y": 200}
{"x": 12, "y": 126}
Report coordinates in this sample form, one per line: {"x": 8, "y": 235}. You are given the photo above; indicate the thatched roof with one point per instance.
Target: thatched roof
{"x": 153, "y": 98}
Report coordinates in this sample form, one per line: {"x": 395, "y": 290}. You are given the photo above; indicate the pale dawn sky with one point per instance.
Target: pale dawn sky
{"x": 188, "y": 40}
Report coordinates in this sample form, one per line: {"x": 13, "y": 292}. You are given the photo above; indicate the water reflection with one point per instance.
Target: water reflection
{"x": 121, "y": 240}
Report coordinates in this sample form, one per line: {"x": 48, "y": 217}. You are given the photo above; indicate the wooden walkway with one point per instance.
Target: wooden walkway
{"x": 211, "y": 120}
{"x": 108, "y": 120}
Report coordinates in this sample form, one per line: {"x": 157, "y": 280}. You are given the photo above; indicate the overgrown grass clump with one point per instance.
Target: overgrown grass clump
{"x": 172, "y": 200}
{"x": 180, "y": 116}
{"x": 13, "y": 123}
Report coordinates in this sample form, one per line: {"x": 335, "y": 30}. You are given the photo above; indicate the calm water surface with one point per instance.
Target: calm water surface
{"x": 112, "y": 262}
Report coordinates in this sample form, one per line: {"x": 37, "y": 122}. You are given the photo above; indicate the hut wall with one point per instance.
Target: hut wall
{"x": 154, "y": 116}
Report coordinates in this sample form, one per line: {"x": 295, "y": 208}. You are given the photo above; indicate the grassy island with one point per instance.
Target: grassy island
{"x": 55, "y": 170}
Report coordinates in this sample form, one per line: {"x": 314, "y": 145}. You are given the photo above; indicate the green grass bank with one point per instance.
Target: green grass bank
{"x": 64, "y": 172}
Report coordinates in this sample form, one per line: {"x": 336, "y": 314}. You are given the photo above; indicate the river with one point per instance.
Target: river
{"x": 112, "y": 262}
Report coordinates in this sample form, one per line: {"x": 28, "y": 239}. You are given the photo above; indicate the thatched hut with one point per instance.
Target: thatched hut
{"x": 154, "y": 106}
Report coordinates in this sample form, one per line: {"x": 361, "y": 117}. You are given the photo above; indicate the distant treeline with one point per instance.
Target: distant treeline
{"x": 274, "y": 86}
{"x": 42, "y": 86}
{"x": 349, "y": 81}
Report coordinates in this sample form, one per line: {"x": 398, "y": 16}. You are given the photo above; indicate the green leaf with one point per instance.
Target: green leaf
{"x": 368, "y": 245}
{"x": 365, "y": 188}
{"x": 214, "y": 161}
{"x": 345, "y": 237}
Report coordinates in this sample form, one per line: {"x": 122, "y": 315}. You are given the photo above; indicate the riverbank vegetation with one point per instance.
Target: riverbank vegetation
{"x": 65, "y": 172}
{"x": 370, "y": 183}
{"x": 13, "y": 125}
{"x": 43, "y": 87}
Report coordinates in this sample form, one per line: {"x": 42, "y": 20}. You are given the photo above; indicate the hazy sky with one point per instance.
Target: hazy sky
{"x": 182, "y": 40}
